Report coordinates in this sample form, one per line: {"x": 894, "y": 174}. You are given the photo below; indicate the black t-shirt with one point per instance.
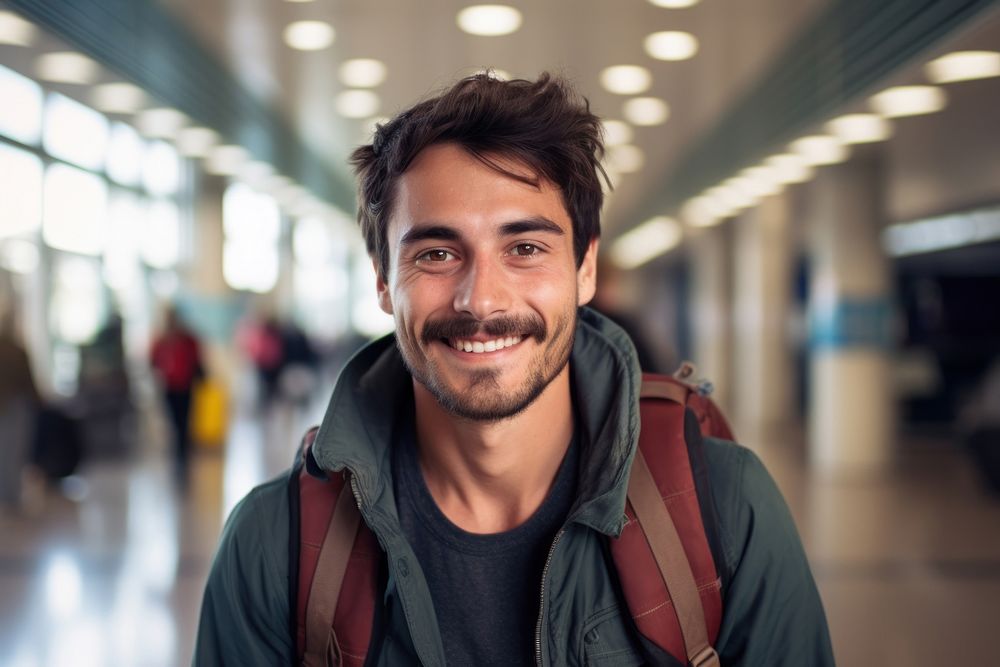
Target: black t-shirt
{"x": 485, "y": 588}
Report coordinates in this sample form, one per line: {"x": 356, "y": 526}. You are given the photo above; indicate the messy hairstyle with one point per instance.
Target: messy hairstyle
{"x": 544, "y": 125}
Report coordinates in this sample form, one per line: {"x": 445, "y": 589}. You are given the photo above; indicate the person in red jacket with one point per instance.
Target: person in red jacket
{"x": 176, "y": 360}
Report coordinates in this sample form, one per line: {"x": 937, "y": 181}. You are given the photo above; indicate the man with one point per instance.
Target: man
{"x": 489, "y": 440}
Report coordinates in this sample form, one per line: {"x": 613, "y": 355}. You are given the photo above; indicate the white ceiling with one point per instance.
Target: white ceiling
{"x": 425, "y": 50}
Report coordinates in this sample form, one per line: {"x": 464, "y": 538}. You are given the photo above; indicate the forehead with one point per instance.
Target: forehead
{"x": 445, "y": 184}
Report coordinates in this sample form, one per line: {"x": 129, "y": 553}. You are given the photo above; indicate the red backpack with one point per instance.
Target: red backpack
{"x": 663, "y": 555}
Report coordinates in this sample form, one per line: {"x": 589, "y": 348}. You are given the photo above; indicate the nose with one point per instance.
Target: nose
{"x": 482, "y": 290}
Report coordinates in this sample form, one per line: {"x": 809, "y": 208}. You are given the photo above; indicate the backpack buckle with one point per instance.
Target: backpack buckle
{"x": 707, "y": 657}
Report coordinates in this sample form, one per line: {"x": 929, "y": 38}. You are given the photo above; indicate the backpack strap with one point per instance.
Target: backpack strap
{"x": 663, "y": 558}
{"x": 321, "y": 642}
{"x": 668, "y": 550}
{"x": 338, "y": 569}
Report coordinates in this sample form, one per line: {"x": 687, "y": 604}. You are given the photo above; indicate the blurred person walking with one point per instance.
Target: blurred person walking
{"x": 19, "y": 406}
{"x": 176, "y": 359}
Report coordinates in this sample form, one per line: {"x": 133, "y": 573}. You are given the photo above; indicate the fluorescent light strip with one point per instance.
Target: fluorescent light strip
{"x": 646, "y": 242}
{"x": 941, "y": 233}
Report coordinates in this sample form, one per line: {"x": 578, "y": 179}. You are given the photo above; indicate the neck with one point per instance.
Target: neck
{"x": 489, "y": 477}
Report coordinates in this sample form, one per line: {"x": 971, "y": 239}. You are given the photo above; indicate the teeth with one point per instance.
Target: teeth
{"x": 478, "y": 347}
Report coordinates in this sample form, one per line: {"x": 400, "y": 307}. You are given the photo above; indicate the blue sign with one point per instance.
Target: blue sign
{"x": 852, "y": 322}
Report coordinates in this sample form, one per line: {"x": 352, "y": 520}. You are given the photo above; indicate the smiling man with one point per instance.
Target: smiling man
{"x": 488, "y": 443}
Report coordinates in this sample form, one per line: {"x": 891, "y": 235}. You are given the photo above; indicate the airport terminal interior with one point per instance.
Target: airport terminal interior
{"x": 803, "y": 201}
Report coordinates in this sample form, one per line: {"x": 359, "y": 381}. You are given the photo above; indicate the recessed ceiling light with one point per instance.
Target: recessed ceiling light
{"x": 820, "y": 149}
{"x": 256, "y": 174}
{"x": 357, "y": 103}
{"x": 625, "y": 159}
{"x": 646, "y": 111}
{"x": 196, "y": 141}
{"x": 15, "y": 30}
{"x": 647, "y": 241}
{"x": 489, "y": 20}
{"x": 66, "y": 67}
{"x": 493, "y": 72}
{"x": 674, "y": 4}
{"x": 734, "y": 199}
{"x": 160, "y": 123}
{"x": 362, "y": 73}
{"x": 309, "y": 35}
{"x": 860, "y": 128}
{"x": 626, "y": 79}
{"x": 671, "y": 45}
{"x": 617, "y": 132}
{"x": 226, "y": 160}
{"x": 761, "y": 181}
{"x": 909, "y": 101}
{"x": 701, "y": 211}
{"x": 118, "y": 98}
{"x": 790, "y": 168}
{"x": 964, "y": 66}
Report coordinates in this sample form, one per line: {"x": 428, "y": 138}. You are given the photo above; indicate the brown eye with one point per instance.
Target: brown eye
{"x": 525, "y": 249}
{"x": 436, "y": 256}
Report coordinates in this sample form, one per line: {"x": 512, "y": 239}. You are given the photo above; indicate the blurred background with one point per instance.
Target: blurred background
{"x": 806, "y": 204}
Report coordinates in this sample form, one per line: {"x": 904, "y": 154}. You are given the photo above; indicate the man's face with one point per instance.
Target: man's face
{"x": 482, "y": 282}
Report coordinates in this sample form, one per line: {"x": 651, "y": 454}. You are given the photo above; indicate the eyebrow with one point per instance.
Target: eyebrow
{"x": 436, "y": 232}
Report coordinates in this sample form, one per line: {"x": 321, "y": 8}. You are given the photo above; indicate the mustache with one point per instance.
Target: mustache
{"x": 496, "y": 327}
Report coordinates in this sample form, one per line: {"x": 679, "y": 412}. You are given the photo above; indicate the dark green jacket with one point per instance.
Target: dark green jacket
{"x": 772, "y": 611}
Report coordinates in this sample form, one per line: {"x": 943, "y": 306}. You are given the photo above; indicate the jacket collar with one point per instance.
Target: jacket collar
{"x": 357, "y": 430}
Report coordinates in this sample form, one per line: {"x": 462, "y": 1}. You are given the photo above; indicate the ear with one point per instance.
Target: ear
{"x": 384, "y": 298}
{"x": 586, "y": 275}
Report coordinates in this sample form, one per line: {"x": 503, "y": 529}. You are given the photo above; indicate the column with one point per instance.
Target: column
{"x": 711, "y": 306}
{"x": 851, "y": 404}
{"x": 762, "y": 350}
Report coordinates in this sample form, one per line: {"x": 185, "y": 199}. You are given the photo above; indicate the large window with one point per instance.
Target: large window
{"x": 21, "y": 109}
{"x": 75, "y": 213}
{"x": 320, "y": 279}
{"x": 252, "y": 225}
{"x": 20, "y": 191}
{"x": 74, "y": 132}
{"x": 125, "y": 151}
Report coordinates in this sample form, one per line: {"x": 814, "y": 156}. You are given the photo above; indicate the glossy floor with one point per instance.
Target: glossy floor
{"x": 908, "y": 563}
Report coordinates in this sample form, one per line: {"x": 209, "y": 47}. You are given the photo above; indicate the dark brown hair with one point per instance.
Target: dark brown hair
{"x": 541, "y": 124}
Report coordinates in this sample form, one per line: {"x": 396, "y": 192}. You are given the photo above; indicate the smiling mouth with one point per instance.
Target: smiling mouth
{"x": 481, "y": 346}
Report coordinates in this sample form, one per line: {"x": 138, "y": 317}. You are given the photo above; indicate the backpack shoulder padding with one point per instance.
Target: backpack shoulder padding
{"x": 665, "y": 451}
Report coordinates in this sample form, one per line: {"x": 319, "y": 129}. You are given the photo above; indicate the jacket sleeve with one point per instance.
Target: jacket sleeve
{"x": 772, "y": 613}
{"x": 244, "y": 615}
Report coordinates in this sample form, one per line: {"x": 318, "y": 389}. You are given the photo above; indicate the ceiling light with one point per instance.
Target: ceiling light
{"x": 820, "y": 149}
{"x": 226, "y": 160}
{"x": 964, "y": 66}
{"x": 626, "y": 79}
{"x": 909, "y": 101}
{"x": 309, "y": 35}
{"x": 646, "y": 111}
{"x": 790, "y": 168}
{"x": 160, "y": 123}
{"x": 671, "y": 45}
{"x": 15, "y": 30}
{"x": 674, "y": 4}
{"x": 256, "y": 174}
{"x": 66, "y": 67}
{"x": 118, "y": 98}
{"x": 362, "y": 73}
{"x": 625, "y": 159}
{"x": 701, "y": 212}
{"x": 196, "y": 141}
{"x": 357, "y": 103}
{"x": 489, "y": 20}
{"x": 617, "y": 132}
{"x": 734, "y": 199}
{"x": 860, "y": 128}
{"x": 494, "y": 73}
{"x": 647, "y": 241}
{"x": 762, "y": 181}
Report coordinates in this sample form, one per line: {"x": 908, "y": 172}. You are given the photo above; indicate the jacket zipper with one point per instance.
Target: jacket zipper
{"x": 541, "y": 601}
